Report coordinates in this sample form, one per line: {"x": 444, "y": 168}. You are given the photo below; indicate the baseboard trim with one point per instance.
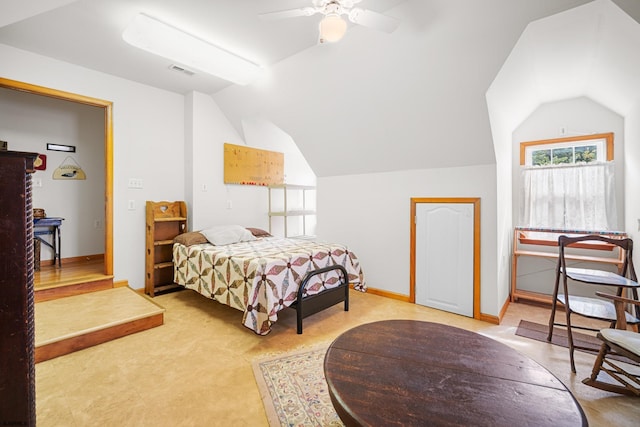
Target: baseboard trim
{"x": 121, "y": 284}
{"x": 505, "y": 306}
{"x": 489, "y": 318}
{"x": 388, "y": 294}
{"x": 405, "y": 298}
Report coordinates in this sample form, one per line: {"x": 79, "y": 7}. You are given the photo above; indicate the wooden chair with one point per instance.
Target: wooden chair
{"x": 622, "y": 342}
{"x": 591, "y": 307}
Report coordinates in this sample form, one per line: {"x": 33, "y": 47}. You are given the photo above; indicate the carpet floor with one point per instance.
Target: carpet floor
{"x": 197, "y": 368}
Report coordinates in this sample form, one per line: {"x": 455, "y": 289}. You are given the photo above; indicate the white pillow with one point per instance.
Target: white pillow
{"x": 227, "y": 234}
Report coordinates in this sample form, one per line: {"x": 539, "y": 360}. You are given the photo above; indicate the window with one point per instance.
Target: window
{"x": 583, "y": 149}
{"x": 568, "y": 183}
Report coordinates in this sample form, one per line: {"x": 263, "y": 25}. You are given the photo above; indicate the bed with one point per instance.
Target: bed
{"x": 260, "y": 275}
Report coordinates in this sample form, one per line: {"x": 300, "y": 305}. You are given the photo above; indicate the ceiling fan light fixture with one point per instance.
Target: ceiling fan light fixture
{"x": 332, "y": 28}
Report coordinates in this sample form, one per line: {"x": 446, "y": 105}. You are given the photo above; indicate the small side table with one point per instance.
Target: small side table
{"x": 49, "y": 226}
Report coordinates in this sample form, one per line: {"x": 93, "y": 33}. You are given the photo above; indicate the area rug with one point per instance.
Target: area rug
{"x": 539, "y": 332}
{"x": 294, "y": 390}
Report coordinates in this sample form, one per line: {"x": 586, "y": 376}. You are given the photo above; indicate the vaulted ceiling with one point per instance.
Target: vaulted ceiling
{"x": 592, "y": 51}
{"x": 373, "y": 102}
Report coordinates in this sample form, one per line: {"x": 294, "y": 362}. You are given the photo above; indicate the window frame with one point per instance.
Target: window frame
{"x": 608, "y": 137}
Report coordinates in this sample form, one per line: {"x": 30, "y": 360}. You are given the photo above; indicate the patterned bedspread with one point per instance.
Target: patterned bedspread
{"x": 262, "y": 277}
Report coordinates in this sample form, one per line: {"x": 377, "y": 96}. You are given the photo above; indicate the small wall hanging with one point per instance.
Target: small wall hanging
{"x": 40, "y": 163}
{"x": 69, "y": 169}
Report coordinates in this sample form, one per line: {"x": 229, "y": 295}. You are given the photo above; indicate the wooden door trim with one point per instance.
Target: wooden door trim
{"x": 107, "y": 106}
{"x": 475, "y": 201}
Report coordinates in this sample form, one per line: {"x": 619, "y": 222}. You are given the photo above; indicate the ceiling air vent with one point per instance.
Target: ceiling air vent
{"x": 180, "y": 69}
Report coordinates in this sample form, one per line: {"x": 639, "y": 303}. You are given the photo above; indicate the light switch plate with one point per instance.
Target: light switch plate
{"x": 135, "y": 183}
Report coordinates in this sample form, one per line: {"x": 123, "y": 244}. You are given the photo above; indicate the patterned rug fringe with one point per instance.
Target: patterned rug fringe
{"x": 293, "y": 388}
{"x": 297, "y": 350}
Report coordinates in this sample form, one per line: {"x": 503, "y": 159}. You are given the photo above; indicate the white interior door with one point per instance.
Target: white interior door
{"x": 444, "y": 256}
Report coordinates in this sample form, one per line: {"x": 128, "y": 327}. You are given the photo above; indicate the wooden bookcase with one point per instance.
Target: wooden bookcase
{"x": 164, "y": 221}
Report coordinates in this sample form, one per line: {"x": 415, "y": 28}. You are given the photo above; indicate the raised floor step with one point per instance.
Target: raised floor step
{"x": 76, "y": 322}
{"x": 63, "y": 289}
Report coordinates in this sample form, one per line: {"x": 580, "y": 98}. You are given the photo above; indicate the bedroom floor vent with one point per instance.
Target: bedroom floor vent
{"x": 180, "y": 69}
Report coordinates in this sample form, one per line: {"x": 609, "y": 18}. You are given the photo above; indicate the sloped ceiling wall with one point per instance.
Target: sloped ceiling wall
{"x": 17, "y": 11}
{"x": 592, "y": 50}
{"x": 410, "y": 100}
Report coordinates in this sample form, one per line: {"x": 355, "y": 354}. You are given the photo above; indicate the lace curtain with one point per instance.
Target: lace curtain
{"x": 571, "y": 197}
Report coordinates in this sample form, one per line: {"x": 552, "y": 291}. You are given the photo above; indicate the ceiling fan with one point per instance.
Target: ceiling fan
{"x": 332, "y": 25}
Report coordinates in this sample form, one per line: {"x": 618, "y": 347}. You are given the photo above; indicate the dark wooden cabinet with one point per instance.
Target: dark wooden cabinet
{"x": 17, "y": 337}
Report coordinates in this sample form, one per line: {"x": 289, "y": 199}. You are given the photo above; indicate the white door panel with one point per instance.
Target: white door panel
{"x": 444, "y": 256}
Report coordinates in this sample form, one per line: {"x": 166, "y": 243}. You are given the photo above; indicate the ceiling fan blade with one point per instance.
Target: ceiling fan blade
{"x": 375, "y": 20}
{"x": 290, "y": 13}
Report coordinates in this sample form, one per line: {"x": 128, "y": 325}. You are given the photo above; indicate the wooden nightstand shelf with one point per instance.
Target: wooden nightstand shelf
{"x": 165, "y": 220}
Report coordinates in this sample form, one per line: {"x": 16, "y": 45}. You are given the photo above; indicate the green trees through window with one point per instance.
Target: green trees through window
{"x": 564, "y": 155}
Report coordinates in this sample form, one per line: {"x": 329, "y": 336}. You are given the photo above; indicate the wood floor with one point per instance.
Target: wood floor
{"x": 76, "y": 276}
{"x": 75, "y": 271}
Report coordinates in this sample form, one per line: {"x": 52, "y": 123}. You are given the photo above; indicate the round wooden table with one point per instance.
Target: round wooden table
{"x": 410, "y": 373}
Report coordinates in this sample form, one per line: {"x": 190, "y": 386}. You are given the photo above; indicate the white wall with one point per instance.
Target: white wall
{"x": 509, "y": 100}
{"x": 260, "y": 132}
{"x": 28, "y": 123}
{"x": 211, "y": 196}
{"x": 371, "y": 214}
{"x": 632, "y": 180}
{"x": 208, "y": 131}
{"x": 148, "y": 126}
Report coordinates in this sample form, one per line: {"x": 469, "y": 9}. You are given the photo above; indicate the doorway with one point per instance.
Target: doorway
{"x": 107, "y": 107}
{"x": 445, "y": 254}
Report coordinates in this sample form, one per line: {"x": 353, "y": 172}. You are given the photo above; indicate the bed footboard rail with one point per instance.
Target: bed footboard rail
{"x": 312, "y": 304}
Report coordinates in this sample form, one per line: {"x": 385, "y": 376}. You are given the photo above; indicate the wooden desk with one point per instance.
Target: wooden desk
{"x": 49, "y": 226}
{"x": 410, "y": 373}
